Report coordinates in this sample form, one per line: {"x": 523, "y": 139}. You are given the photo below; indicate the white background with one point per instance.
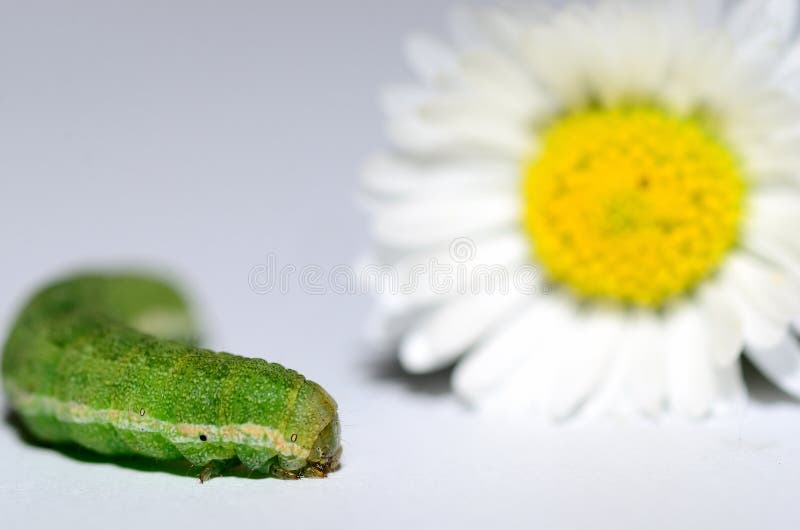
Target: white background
{"x": 203, "y": 136}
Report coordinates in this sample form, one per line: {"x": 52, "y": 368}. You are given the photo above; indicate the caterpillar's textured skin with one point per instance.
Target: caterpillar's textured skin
{"x": 83, "y": 364}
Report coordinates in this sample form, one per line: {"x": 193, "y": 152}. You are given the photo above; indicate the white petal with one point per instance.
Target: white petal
{"x": 780, "y": 363}
{"x": 787, "y": 74}
{"x": 731, "y": 389}
{"x": 505, "y": 85}
{"x": 584, "y": 357}
{"x": 771, "y": 249}
{"x": 763, "y": 28}
{"x": 612, "y": 52}
{"x": 395, "y": 175}
{"x": 425, "y": 222}
{"x": 439, "y": 339}
{"x": 690, "y": 377}
{"x": 547, "y": 50}
{"x": 642, "y": 352}
{"x": 725, "y": 331}
{"x": 461, "y": 133}
{"x": 487, "y": 265}
{"x": 495, "y": 364}
{"x": 771, "y": 231}
{"x": 766, "y": 146}
{"x": 767, "y": 298}
{"x": 529, "y": 387}
{"x": 759, "y": 329}
{"x": 775, "y": 208}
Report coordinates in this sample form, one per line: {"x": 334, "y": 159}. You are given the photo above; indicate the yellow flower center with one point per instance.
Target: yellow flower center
{"x": 632, "y": 204}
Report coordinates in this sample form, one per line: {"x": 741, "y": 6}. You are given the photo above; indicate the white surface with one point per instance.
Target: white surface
{"x": 203, "y": 137}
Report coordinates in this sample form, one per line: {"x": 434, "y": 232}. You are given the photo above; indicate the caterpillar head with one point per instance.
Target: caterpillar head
{"x": 316, "y": 411}
{"x": 325, "y": 451}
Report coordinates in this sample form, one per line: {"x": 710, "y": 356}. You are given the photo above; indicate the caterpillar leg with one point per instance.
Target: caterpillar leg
{"x": 314, "y": 472}
{"x": 285, "y": 474}
{"x": 216, "y": 468}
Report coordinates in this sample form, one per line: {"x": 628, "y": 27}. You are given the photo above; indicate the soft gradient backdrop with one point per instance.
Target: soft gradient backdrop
{"x": 203, "y": 136}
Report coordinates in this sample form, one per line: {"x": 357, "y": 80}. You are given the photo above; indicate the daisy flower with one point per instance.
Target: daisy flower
{"x": 644, "y": 156}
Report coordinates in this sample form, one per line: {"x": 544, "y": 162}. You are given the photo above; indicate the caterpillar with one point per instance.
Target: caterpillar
{"x": 107, "y": 361}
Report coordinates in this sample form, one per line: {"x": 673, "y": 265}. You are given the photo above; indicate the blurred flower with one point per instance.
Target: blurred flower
{"x": 644, "y": 156}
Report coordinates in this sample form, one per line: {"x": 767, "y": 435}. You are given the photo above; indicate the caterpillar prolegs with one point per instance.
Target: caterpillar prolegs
{"x": 106, "y": 361}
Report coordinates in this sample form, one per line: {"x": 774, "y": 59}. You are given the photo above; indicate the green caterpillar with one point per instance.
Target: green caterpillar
{"x": 105, "y": 362}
